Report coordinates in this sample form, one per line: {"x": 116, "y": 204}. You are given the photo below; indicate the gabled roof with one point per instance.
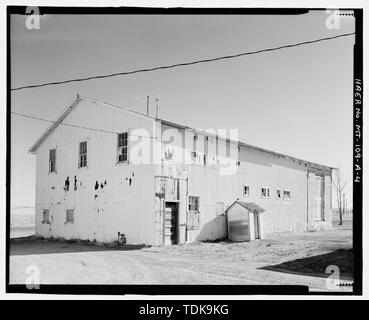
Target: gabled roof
{"x": 52, "y": 127}
{"x": 68, "y": 110}
{"x": 250, "y": 206}
{"x": 78, "y": 98}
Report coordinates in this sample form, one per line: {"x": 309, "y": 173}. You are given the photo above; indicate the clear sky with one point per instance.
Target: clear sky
{"x": 296, "y": 101}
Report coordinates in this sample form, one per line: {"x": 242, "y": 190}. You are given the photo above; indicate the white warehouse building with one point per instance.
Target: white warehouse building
{"x": 103, "y": 169}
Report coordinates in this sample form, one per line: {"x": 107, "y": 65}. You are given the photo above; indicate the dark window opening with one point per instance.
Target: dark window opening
{"x": 123, "y": 147}
{"x": 52, "y": 160}
{"x": 82, "y": 154}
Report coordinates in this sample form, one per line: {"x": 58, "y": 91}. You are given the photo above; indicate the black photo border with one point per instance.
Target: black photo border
{"x": 205, "y": 289}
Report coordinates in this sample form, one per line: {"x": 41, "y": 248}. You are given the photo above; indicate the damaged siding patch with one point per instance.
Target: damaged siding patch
{"x": 66, "y": 184}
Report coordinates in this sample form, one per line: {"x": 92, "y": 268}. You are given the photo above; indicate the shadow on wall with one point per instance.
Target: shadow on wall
{"x": 316, "y": 265}
{"x": 215, "y": 229}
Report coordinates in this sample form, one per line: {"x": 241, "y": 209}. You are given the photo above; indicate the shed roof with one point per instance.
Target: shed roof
{"x": 250, "y": 206}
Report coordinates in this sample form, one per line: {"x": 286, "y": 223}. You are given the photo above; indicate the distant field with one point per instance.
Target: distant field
{"x": 22, "y": 222}
{"x": 346, "y": 216}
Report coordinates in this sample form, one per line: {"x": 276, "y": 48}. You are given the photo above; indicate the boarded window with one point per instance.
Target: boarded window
{"x": 287, "y": 195}
{"x": 193, "y": 157}
{"x": 82, "y": 162}
{"x": 169, "y": 153}
{"x": 70, "y": 215}
{"x": 193, "y": 220}
{"x": 123, "y": 147}
{"x": 246, "y": 191}
{"x": 52, "y": 160}
{"x": 279, "y": 194}
{"x": 265, "y": 193}
{"x": 193, "y": 203}
{"x": 45, "y": 216}
{"x": 193, "y": 214}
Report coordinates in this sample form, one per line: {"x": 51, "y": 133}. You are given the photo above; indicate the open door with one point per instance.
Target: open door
{"x": 171, "y": 223}
{"x": 319, "y": 198}
{"x": 257, "y": 224}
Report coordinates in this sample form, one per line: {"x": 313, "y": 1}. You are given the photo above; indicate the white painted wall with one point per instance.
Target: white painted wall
{"x": 132, "y": 200}
{"x": 260, "y": 169}
{"x": 203, "y": 181}
{"x": 257, "y": 169}
{"x": 99, "y": 214}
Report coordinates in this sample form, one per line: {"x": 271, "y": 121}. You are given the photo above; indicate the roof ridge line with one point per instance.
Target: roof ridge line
{"x": 80, "y": 97}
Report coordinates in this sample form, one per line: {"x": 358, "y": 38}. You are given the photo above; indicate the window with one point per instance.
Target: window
{"x": 52, "y": 160}
{"x": 45, "y": 216}
{"x": 70, "y": 215}
{"x": 246, "y": 191}
{"x": 193, "y": 214}
{"x": 123, "y": 147}
{"x": 82, "y": 154}
{"x": 169, "y": 153}
{"x": 265, "y": 193}
{"x": 193, "y": 203}
{"x": 287, "y": 195}
{"x": 279, "y": 194}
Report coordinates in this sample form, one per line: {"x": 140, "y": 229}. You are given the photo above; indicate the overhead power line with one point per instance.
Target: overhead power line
{"x": 72, "y": 125}
{"x": 181, "y": 64}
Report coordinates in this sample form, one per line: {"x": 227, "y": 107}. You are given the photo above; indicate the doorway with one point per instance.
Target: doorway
{"x": 257, "y": 224}
{"x": 319, "y": 198}
{"x": 171, "y": 223}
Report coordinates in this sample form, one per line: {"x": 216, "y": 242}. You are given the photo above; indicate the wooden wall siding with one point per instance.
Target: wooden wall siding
{"x": 130, "y": 198}
{"x": 125, "y": 197}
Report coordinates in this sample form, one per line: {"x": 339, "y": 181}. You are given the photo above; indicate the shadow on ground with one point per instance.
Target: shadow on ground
{"x": 32, "y": 245}
{"x": 316, "y": 265}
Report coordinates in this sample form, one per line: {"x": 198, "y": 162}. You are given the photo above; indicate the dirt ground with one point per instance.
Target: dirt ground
{"x": 295, "y": 259}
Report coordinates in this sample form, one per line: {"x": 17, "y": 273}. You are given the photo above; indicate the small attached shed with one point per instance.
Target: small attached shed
{"x": 245, "y": 221}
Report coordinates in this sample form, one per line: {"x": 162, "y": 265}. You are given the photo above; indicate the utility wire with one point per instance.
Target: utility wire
{"x": 72, "y": 125}
{"x": 62, "y": 123}
{"x": 116, "y": 132}
{"x": 182, "y": 64}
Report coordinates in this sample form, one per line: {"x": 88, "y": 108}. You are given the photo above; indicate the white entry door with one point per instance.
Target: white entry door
{"x": 257, "y": 224}
{"x": 319, "y": 198}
